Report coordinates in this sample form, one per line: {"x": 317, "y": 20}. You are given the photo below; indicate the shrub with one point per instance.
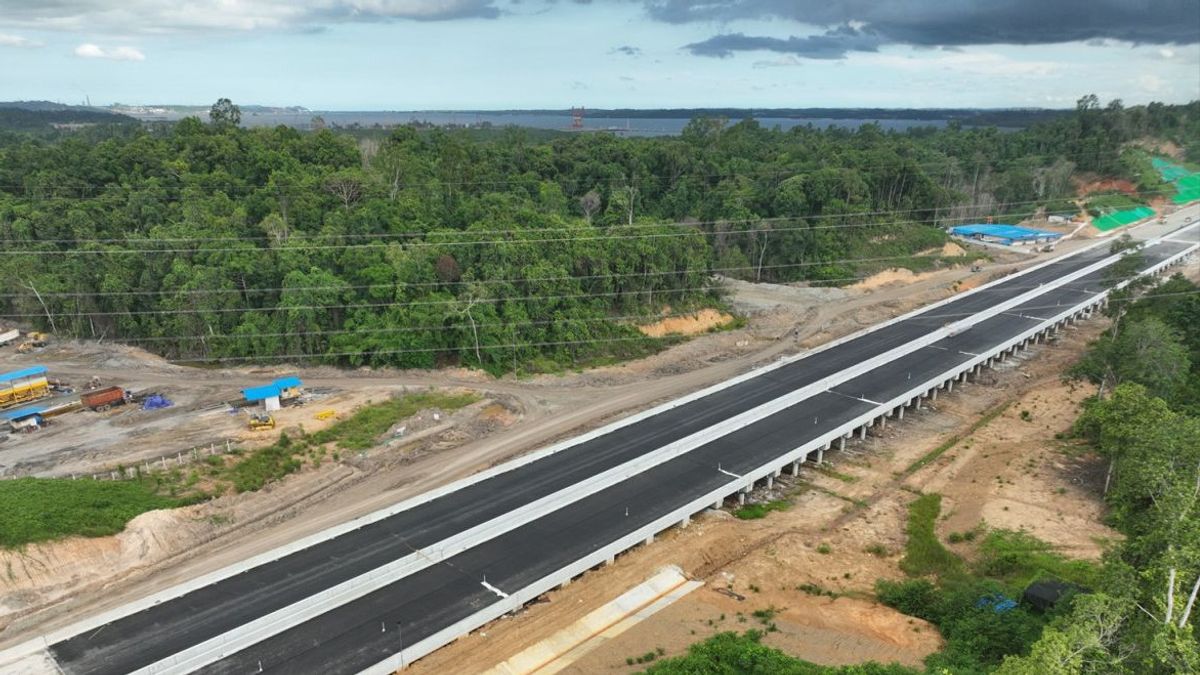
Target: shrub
{"x": 914, "y": 597}
{"x": 878, "y": 550}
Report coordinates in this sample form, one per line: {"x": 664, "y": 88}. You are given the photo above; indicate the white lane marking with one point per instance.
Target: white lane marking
{"x": 727, "y": 473}
{"x": 853, "y": 398}
{"x": 493, "y": 589}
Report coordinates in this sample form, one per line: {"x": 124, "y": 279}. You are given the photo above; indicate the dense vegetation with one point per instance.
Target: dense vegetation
{"x": 210, "y": 241}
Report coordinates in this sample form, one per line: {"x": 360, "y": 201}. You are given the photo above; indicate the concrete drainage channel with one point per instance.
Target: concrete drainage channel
{"x": 790, "y": 461}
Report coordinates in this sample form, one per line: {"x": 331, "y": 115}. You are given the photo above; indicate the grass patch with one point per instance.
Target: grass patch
{"x": 362, "y": 429}
{"x": 1017, "y": 558}
{"x": 756, "y": 511}
{"x": 42, "y": 509}
{"x": 924, "y": 554}
{"x": 956, "y": 438}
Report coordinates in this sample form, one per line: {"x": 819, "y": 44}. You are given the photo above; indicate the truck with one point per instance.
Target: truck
{"x": 103, "y": 399}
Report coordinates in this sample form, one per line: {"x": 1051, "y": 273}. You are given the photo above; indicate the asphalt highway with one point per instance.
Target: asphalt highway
{"x": 366, "y": 631}
{"x": 359, "y": 633}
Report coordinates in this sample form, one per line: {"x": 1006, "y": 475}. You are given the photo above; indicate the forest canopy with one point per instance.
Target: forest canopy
{"x": 207, "y": 241}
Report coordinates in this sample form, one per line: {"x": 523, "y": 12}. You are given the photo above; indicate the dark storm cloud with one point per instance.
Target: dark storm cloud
{"x": 833, "y": 44}
{"x": 938, "y": 23}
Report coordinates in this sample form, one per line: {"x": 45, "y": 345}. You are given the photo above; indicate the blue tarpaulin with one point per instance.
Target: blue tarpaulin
{"x": 1005, "y": 233}
{"x": 155, "y": 402}
{"x": 266, "y": 391}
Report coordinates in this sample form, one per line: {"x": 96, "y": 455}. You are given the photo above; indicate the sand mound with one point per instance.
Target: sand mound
{"x": 888, "y": 277}
{"x": 688, "y": 324}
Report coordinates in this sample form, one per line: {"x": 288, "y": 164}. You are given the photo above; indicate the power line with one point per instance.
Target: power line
{"x": 895, "y": 162}
{"x": 641, "y": 225}
{"x": 517, "y": 345}
{"x": 442, "y": 244}
{"x": 684, "y": 223}
{"x": 405, "y": 329}
{"x": 415, "y": 303}
{"x": 401, "y": 285}
{"x": 509, "y": 324}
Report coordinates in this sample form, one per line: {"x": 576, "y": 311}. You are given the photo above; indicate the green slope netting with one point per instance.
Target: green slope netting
{"x": 1122, "y": 218}
{"x": 1187, "y": 184}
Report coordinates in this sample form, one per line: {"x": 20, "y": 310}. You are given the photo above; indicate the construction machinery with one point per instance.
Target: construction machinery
{"x": 33, "y": 341}
{"x": 259, "y": 422}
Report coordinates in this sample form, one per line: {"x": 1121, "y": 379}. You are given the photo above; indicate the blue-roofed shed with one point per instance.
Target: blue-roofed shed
{"x": 270, "y": 394}
{"x": 25, "y": 419}
{"x": 256, "y": 394}
{"x": 24, "y": 373}
{"x": 13, "y": 415}
{"x": 1003, "y": 234}
{"x": 290, "y": 382}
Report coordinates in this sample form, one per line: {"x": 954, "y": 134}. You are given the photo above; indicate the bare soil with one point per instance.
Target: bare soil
{"x": 1086, "y": 186}
{"x": 689, "y": 324}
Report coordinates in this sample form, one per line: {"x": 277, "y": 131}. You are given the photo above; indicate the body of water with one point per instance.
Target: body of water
{"x": 666, "y": 126}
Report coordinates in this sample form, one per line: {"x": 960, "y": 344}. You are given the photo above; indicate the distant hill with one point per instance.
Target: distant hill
{"x": 40, "y": 116}
{"x": 1012, "y": 117}
{"x": 40, "y": 105}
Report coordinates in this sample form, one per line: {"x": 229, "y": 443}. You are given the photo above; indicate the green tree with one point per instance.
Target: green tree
{"x": 224, "y": 113}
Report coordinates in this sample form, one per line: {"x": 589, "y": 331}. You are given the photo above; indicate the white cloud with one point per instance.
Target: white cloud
{"x": 172, "y": 16}
{"x": 92, "y": 51}
{"x": 966, "y": 62}
{"x": 1151, "y": 84}
{"x": 9, "y": 40}
{"x": 785, "y": 61}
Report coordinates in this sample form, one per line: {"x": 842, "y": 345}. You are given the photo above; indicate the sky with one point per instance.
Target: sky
{"x": 503, "y": 54}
